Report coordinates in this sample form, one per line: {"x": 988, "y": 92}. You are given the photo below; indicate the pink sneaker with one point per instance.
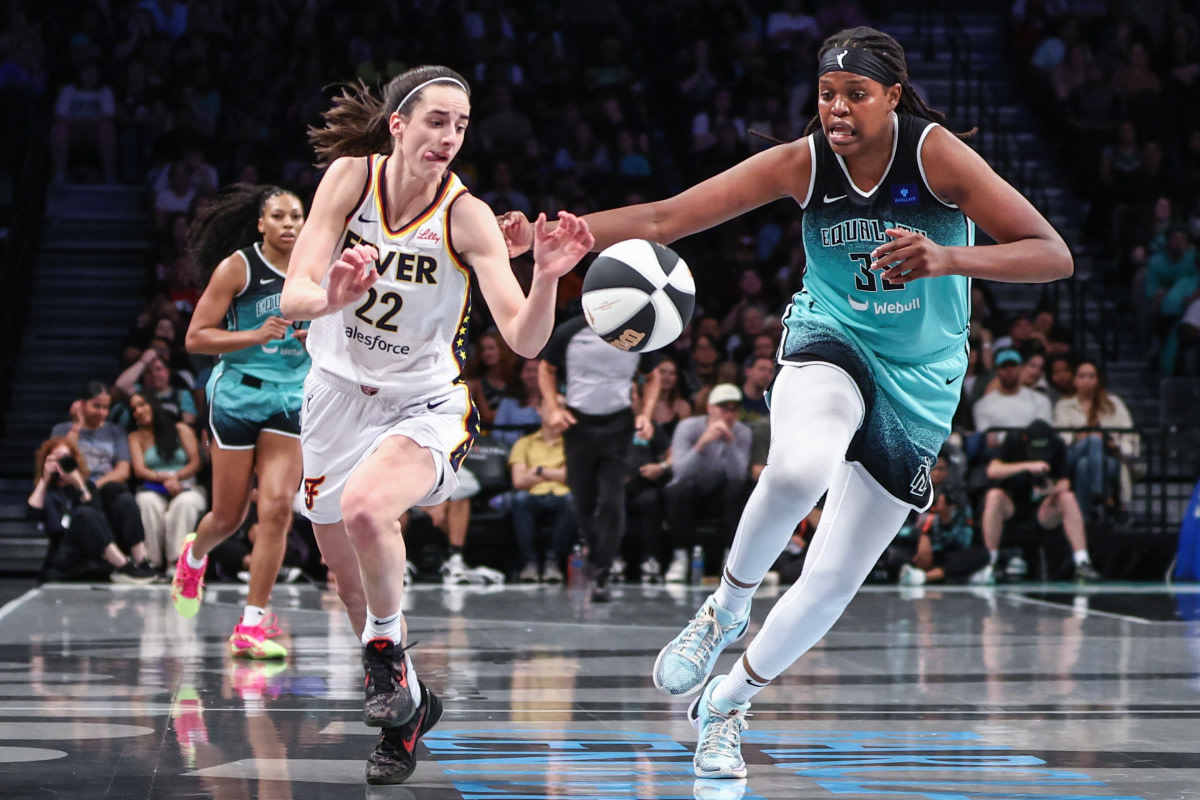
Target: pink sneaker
{"x": 187, "y": 587}
{"x": 254, "y": 641}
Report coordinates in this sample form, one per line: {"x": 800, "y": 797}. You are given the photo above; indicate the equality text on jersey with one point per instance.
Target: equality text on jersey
{"x": 410, "y": 267}
{"x": 861, "y": 230}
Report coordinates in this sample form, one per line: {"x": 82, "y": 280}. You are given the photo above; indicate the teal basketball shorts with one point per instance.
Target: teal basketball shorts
{"x": 241, "y": 406}
{"x": 908, "y": 406}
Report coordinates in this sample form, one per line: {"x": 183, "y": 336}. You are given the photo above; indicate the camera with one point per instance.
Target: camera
{"x": 68, "y": 464}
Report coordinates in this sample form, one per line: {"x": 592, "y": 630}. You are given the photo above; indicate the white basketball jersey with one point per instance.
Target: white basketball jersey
{"x": 410, "y": 330}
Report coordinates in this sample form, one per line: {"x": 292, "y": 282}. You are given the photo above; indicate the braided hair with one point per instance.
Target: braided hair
{"x": 889, "y": 50}
{"x": 357, "y": 124}
{"x": 228, "y": 224}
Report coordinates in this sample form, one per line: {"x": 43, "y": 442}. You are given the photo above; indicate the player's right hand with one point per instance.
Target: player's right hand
{"x": 351, "y": 275}
{"x": 273, "y": 328}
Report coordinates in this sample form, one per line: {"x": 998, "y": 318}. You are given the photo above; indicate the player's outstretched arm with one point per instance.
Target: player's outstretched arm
{"x": 779, "y": 172}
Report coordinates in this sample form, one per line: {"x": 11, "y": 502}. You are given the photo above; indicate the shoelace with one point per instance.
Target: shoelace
{"x": 725, "y": 737}
{"x": 707, "y": 630}
{"x": 381, "y": 672}
{"x": 269, "y": 626}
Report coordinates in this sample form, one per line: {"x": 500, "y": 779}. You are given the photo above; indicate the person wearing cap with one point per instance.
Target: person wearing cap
{"x": 1012, "y": 404}
{"x": 1030, "y": 475}
{"x": 710, "y": 474}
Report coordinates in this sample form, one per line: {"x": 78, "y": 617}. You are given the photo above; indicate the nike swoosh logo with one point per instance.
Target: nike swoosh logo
{"x": 432, "y": 406}
{"x": 829, "y": 199}
{"x": 266, "y": 280}
{"x": 366, "y": 221}
{"x": 951, "y": 380}
{"x": 410, "y": 741}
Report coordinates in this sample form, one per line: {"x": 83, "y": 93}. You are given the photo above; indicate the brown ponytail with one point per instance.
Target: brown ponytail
{"x": 357, "y": 124}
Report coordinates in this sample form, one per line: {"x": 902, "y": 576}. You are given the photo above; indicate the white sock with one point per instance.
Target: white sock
{"x": 253, "y": 615}
{"x": 1081, "y": 558}
{"x": 738, "y": 687}
{"x": 733, "y": 598}
{"x": 193, "y": 562}
{"x": 993, "y": 557}
{"x": 387, "y": 627}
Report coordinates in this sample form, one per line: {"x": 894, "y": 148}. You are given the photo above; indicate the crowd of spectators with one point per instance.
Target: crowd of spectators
{"x": 577, "y": 107}
{"x": 1117, "y": 93}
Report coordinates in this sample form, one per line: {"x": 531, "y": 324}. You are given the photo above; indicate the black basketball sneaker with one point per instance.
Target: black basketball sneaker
{"x": 395, "y": 755}
{"x": 388, "y": 700}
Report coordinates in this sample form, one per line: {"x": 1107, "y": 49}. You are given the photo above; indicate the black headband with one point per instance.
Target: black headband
{"x": 860, "y": 62}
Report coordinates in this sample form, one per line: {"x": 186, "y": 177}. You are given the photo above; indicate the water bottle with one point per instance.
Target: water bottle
{"x": 697, "y": 564}
{"x": 575, "y": 566}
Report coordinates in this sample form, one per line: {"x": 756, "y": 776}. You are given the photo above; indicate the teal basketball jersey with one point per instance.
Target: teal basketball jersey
{"x": 278, "y": 361}
{"x": 923, "y": 320}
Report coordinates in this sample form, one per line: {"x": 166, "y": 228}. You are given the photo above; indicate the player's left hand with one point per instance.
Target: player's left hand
{"x": 556, "y": 252}
{"x": 910, "y": 256}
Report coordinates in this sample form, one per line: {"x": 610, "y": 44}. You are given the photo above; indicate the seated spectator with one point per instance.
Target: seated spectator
{"x": 650, "y": 472}
{"x": 709, "y": 474}
{"x": 1172, "y": 277}
{"x": 759, "y": 373}
{"x": 84, "y": 112}
{"x": 1012, "y": 404}
{"x": 165, "y": 459}
{"x": 1031, "y": 485}
{"x": 939, "y": 546}
{"x": 489, "y": 373}
{"x": 1060, "y": 382}
{"x": 671, "y": 406}
{"x": 1020, "y": 333}
{"x": 1056, "y": 339}
{"x": 517, "y": 413}
{"x": 177, "y": 197}
{"x": 1097, "y": 462}
{"x": 105, "y": 449}
{"x": 82, "y": 543}
{"x": 975, "y": 383}
{"x": 539, "y": 476}
{"x": 702, "y": 367}
{"x": 149, "y": 375}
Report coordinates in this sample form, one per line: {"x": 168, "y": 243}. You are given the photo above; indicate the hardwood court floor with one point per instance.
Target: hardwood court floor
{"x": 1020, "y": 692}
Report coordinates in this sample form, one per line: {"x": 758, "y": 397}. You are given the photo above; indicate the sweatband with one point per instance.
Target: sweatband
{"x": 860, "y": 62}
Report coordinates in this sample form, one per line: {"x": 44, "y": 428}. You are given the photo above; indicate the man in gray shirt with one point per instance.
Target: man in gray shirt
{"x": 600, "y": 423}
{"x": 710, "y": 461}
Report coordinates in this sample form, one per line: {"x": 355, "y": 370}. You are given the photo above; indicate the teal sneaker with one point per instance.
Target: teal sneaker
{"x": 720, "y": 723}
{"x": 684, "y": 664}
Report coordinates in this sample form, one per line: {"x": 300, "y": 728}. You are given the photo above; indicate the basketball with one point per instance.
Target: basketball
{"x": 638, "y": 295}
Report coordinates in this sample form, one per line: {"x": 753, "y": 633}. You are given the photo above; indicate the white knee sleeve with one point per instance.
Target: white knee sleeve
{"x": 815, "y": 411}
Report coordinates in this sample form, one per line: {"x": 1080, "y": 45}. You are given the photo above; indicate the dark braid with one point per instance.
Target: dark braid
{"x": 228, "y": 224}
{"x": 889, "y": 50}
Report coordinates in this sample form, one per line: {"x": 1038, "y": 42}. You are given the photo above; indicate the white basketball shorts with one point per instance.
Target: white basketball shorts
{"x": 341, "y": 424}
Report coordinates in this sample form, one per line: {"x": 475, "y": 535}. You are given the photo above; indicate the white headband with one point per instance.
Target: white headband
{"x": 444, "y": 78}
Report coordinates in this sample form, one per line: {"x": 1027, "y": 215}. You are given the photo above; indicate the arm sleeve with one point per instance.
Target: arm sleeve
{"x": 517, "y": 454}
